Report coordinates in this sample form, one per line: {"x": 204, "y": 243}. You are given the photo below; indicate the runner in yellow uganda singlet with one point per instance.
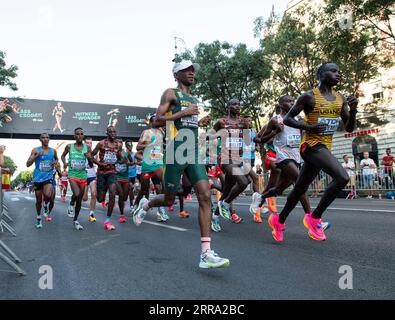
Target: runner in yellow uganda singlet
{"x": 324, "y": 111}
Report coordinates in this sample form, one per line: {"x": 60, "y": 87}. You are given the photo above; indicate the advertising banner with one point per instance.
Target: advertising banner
{"x": 59, "y": 118}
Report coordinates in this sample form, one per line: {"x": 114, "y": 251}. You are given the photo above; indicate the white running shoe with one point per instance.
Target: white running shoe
{"x": 77, "y": 226}
{"x": 162, "y": 215}
{"x": 70, "y": 211}
{"x": 209, "y": 259}
{"x": 133, "y": 210}
{"x": 256, "y": 200}
{"x": 139, "y": 214}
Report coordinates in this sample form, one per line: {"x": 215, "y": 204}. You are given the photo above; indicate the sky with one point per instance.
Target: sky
{"x": 112, "y": 52}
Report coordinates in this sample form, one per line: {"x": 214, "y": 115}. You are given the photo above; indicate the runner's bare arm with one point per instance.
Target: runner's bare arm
{"x": 220, "y": 124}
{"x": 33, "y": 157}
{"x": 144, "y": 140}
{"x": 257, "y": 138}
{"x": 88, "y": 156}
{"x": 119, "y": 151}
{"x": 131, "y": 161}
{"x": 64, "y": 154}
{"x": 305, "y": 102}
{"x": 167, "y": 102}
{"x": 272, "y": 128}
{"x": 98, "y": 147}
{"x": 213, "y": 133}
{"x": 205, "y": 121}
{"x": 56, "y": 163}
{"x": 95, "y": 151}
{"x": 139, "y": 156}
{"x": 57, "y": 168}
{"x": 349, "y": 116}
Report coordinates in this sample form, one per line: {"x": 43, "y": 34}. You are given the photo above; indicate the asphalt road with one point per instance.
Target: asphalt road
{"x": 160, "y": 261}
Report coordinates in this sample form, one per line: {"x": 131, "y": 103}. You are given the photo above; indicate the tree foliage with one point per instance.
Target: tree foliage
{"x": 10, "y": 164}
{"x": 7, "y": 74}
{"x": 298, "y": 43}
{"x": 230, "y": 71}
{"x": 24, "y": 176}
{"x": 369, "y": 14}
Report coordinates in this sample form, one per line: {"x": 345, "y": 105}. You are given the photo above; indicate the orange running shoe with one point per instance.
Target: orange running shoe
{"x": 272, "y": 204}
{"x": 184, "y": 214}
{"x": 257, "y": 216}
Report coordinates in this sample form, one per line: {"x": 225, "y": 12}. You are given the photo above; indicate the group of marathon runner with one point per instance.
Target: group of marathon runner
{"x": 175, "y": 158}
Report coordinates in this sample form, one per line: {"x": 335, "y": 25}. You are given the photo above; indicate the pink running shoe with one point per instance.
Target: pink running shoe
{"x": 189, "y": 198}
{"x": 314, "y": 226}
{"x": 277, "y": 227}
{"x": 108, "y": 226}
{"x": 48, "y": 219}
{"x": 103, "y": 204}
{"x": 171, "y": 209}
{"x": 122, "y": 219}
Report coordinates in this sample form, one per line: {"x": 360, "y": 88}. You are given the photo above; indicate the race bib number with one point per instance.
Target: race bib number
{"x": 110, "y": 157}
{"x": 293, "y": 140}
{"x": 45, "y": 165}
{"x": 190, "y": 121}
{"x": 121, "y": 167}
{"x": 234, "y": 143}
{"x": 78, "y": 164}
{"x": 156, "y": 154}
{"x": 332, "y": 124}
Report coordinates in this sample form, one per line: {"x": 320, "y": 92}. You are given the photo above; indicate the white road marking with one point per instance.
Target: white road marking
{"x": 165, "y": 226}
{"x": 98, "y": 243}
{"x": 14, "y": 199}
{"x": 330, "y": 208}
{"x": 156, "y": 224}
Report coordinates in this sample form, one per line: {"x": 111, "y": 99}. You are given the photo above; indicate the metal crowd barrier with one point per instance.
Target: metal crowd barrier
{"x": 379, "y": 182}
{"x": 12, "y": 259}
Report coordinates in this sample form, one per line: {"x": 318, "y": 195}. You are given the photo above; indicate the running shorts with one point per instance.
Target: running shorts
{"x": 80, "y": 182}
{"x": 38, "y": 186}
{"x": 285, "y": 162}
{"x": 90, "y": 180}
{"x": 173, "y": 172}
{"x": 305, "y": 150}
{"x": 132, "y": 180}
{"x": 151, "y": 175}
{"x": 104, "y": 180}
